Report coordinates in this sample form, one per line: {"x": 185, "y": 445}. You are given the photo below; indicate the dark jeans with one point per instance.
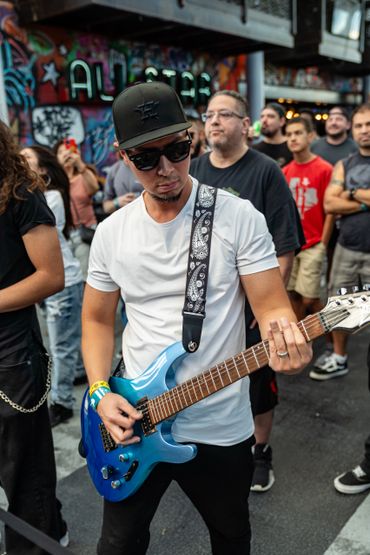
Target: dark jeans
{"x": 27, "y": 464}
{"x": 217, "y": 481}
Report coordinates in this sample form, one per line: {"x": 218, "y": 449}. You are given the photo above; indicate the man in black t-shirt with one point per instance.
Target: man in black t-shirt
{"x": 31, "y": 269}
{"x": 274, "y": 144}
{"x": 232, "y": 166}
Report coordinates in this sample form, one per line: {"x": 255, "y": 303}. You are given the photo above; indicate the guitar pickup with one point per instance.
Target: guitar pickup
{"x": 108, "y": 442}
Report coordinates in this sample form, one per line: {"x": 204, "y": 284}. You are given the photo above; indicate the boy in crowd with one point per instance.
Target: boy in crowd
{"x": 308, "y": 176}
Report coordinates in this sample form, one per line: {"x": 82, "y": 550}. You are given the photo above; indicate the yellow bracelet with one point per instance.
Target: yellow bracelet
{"x": 96, "y": 386}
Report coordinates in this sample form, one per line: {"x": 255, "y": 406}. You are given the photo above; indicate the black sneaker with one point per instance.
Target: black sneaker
{"x": 263, "y": 476}
{"x": 59, "y": 414}
{"x": 353, "y": 481}
{"x": 328, "y": 369}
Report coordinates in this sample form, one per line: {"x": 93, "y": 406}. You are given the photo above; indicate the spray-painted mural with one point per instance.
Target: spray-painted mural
{"x": 61, "y": 83}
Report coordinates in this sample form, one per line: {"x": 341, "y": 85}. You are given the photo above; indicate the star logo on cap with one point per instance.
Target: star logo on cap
{"x": 148, "y": 110}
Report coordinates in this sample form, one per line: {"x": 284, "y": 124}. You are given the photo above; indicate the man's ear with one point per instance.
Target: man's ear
{"x": 246, "y": 125}
{"x": 311, "y": 136}
{"x": 124, "y": 157}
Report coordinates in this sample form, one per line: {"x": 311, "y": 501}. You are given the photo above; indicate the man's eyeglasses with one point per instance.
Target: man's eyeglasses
{"x": 222, "y": 114}
{"x": 149, "y": 159}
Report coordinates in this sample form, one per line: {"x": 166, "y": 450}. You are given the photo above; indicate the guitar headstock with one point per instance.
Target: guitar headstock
{"x": 354, "y": 301}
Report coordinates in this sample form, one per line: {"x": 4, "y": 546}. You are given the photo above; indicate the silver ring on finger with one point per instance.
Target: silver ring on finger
{"x": 282, "y": 354}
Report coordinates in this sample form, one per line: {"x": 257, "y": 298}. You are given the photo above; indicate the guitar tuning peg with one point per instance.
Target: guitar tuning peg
{"x": 355, "y": 289}
{"x": 342, "y": 291}
{"x": 366, "y": 287}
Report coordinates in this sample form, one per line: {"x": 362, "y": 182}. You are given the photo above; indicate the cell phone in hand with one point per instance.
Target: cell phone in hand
{"x": 70, "y": 144}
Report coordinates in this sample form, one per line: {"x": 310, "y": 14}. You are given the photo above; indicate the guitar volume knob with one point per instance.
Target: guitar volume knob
{"x": 124, "y": 457}
{"x": 106, "y": 471}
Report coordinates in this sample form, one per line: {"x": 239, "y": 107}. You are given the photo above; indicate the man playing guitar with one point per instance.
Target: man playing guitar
{"x": 141, "y": 253}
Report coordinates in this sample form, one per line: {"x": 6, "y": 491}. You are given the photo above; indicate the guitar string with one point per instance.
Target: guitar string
{"x": 225, "y": 365}
{"x": 173, "y": 396}
{"x": 223, "y": 369}
{"x": 308, "y": 323}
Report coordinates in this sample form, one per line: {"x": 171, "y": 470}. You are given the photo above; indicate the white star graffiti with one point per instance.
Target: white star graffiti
{"x": 51, "y": 74}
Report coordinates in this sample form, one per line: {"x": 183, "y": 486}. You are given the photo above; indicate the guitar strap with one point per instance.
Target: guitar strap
{"x": 198, "y": 266}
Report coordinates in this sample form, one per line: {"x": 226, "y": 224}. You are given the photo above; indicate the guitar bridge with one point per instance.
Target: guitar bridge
{"x": 146, "y": 422}
{"x": 108, "y": 442}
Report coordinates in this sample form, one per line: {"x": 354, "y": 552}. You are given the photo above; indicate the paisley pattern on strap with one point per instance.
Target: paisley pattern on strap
{"x": 200, "y": 250}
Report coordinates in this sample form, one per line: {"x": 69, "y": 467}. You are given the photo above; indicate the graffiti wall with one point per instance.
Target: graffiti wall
{"x": 61, "y": 83}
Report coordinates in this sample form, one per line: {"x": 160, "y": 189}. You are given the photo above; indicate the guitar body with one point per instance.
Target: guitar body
{"x": 118, "y": 471}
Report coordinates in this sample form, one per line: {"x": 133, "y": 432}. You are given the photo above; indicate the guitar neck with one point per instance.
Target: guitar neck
{"x": 227, "y": 372}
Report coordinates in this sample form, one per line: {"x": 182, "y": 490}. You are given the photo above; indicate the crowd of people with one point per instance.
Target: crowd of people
{"x": 291, "y": 226}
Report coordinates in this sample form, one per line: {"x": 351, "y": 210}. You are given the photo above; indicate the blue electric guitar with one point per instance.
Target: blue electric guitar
{"x": 118, "y": 471}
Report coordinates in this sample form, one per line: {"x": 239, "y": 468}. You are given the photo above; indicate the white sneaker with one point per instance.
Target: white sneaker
{"x": 322, "y": 358}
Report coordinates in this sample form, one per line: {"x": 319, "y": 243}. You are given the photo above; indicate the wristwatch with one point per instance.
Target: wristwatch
{"x": 352, "y": 192}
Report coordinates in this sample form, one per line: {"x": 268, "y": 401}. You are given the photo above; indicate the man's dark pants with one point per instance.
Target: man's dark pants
{"x": 217, "y": 481}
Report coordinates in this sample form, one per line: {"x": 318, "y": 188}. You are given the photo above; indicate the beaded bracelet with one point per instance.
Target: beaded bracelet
{"x": 98, "y": 395}
{"x": 364, "y": 207}
{"x": 96, "y": 385}
{"x": 116, "y": 203}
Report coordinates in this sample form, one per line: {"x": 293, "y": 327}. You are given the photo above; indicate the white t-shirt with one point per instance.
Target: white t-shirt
{"x": 72, "y": 269}
{"x": 147, "y": 261}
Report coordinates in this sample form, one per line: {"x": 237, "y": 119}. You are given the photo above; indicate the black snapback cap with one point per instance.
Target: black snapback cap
{"x": 146, "y": 112}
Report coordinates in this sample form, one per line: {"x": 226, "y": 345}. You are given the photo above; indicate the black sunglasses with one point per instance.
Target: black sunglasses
{"x": 149, "y": 159}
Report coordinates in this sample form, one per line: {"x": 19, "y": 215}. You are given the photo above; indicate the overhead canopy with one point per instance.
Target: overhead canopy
{"x": 222, "y": 27}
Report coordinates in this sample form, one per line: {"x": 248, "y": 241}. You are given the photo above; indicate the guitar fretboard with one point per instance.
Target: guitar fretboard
{"x": 227, "y": 372}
